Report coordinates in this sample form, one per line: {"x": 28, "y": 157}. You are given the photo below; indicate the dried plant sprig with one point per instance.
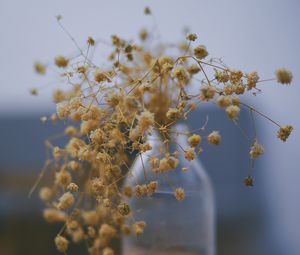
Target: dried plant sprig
{"x": 111, "y": 110}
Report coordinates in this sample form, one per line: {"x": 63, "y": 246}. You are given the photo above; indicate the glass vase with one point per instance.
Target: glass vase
{"x": 174, "y": 227}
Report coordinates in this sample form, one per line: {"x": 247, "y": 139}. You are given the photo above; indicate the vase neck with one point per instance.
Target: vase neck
{"x": 176, "y": 137}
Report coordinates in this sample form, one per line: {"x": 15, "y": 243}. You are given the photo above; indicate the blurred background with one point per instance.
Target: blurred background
{"x": 252, "y": 35}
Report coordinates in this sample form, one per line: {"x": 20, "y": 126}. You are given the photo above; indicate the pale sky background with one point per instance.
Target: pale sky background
{"x": 257, "y": 35}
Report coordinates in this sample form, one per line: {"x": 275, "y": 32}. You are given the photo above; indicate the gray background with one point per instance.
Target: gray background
{"x": 251, "y": 35}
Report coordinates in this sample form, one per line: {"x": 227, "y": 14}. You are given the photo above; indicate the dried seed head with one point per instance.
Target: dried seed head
{"x": 223, "y": 101}
{"x": 235, "y": 76}
{"x": 252, "y": 79}
{"x": 193, "y": 69}
{"x": 106, "y": 231}
{"x": 191, "y": 37}
{"x": 248, "y": 181}
{"x": 140, "y": 191}
{"x": 97, "y": 186}
{"x": 61, "y": 243}
{"x": 123, "y": 209}
{"x": 62, "y": 110}
{"x": 214, "y": 138}
{"x": 143, "y": 34}
{"x": 179, "y": 194}
{"x": 90, "y": 41}
{"x": 256, "y": 150}
{"x": 221, "y": 76}
{"x": 63, "y": 178}
{"x": 125, "y": 229}
{"x": 173, "y": 114}
{"x": 147, "y": 10}
{"x": 127, "y": 191}
{"x": 100, "y": 76}
{"x": 232, "y": 111}
{"x": 57, "y": 152}
{"x": 168, "y": 163}
{"x": 284, "y": 132}
{"x": 108, "y": 251}
{"x": 40, "y": 68}
{"x": 181, "y": 74}
{"x": 91, "y": 232}
{"x": 138, "y": 227}
{"x": 284, "y": 76}
{"x": 235, "y": 101}
{"x": 72, "y": 187}
{"x": 145, "y": 120}
{"x": 71, "y": 131}
{"x": 58, "y": 96}
{"x": 52, "y": 215}
{"x": 65, "y": 201}
{"x": 207, "y": 93}
{"x": 229, "y": 89}
{"x": 151, "y": 187}
{"x": 61, "y": 61}
{"x": 33, "y": 92}
{"x": 194, "y": 140}
{"x": 189, "y": 154}
{"x": 200, "y": 52}
{"x": 45, "y": 193}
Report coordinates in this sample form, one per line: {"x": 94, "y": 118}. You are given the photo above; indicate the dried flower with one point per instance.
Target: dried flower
{"x": 127, "y": 190}
{"x": 108, "y": 251}
{"x": 256, "y": 150}
{"x": 63, "y": 178}
{"x": 61, "y": 243}
{"x": 72, "y": 187}
{"x": 138, "y": 227}
{"x": 145, "y": 120}
{"x": 40, "y": 68}
{"x": 65, "y": 201}
{"x": 179, "y": 194}
{"x": 232, "y": 111}
{"x": 147, "y": 10}
{"x": 252, "y": 79}
{"x": 223, "y": 101}
{"x": 191, "y": 37}
{"x": 248, "y": 181}
{"x": 194, "y": 140}
{"x": 57, "y": 152}
{"x": 284, "y": 132}
{"x": 200, "y": 52}
{"x": 284, "y": 76}
{"x": 173, "y": 113}
{"x": 113, "y": 108}
{"x": 168, "y": 163}
{"x": 91, "y": 41}
{"x": 123, "y": 209}
{"x": 181, "y": 74}
{"x": 207, "y": 93}
{"x": 151, "y": 187}
{"x": 33, "y": 92}
{"x": 61, "y": 61}
{"x": 45, "y": 193}
{"x": 214, "y": 138}
{"x": 100, "y": 76}
{"x": 189, "y": 154}
{"x": 52, "y": 215}
{"x": 107, "y": 231}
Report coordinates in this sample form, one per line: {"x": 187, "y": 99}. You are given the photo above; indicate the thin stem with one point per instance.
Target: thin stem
{"x": 263, "y": 115}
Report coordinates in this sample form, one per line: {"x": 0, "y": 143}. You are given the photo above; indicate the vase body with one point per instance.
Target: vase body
{"x": 184, "y": 227}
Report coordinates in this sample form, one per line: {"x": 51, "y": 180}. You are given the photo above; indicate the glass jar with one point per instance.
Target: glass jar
{"x": 172, "y": 227}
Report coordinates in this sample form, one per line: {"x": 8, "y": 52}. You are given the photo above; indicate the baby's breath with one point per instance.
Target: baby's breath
{"x": 110, "y": 111}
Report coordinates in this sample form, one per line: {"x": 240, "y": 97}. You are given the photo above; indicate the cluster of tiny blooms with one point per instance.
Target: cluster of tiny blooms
{"x": 109, "y": 111}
